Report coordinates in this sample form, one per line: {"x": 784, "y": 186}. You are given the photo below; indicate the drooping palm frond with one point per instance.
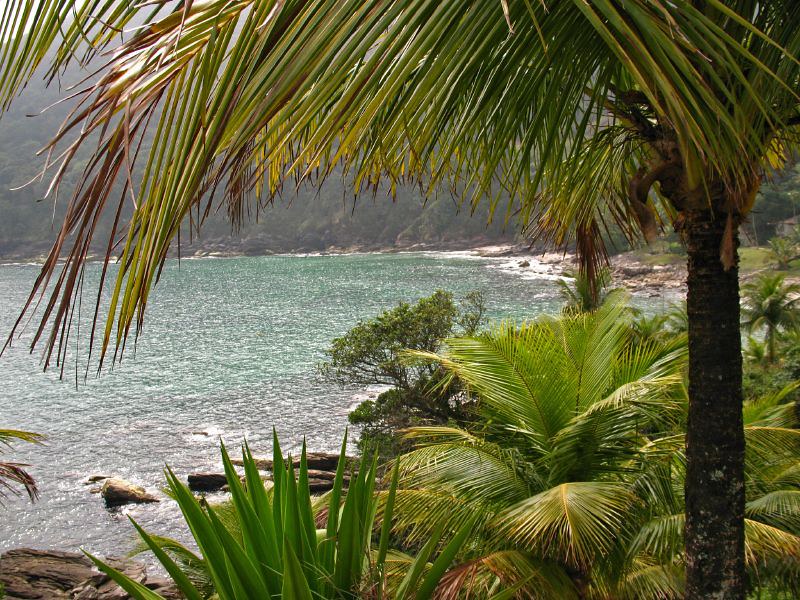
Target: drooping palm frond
{"x": 14, "y": 474}
{"x": 533, "y": 103}
{"x": 576, "y": 522}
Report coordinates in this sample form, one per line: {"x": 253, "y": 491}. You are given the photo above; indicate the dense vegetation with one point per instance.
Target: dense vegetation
{"x": 562, "y": 477}
{"x": 311, "y": 218}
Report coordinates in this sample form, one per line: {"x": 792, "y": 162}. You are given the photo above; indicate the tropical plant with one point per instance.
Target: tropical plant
{"x": 773, "y": 305}
{"x": 269, "y": 545}
{"x": 12, "y": 473}
{"x": 783, "y": 251}
{"x": 574, "y": 470}
{"x": 587, "y": 111}
{"x": 584, "y": 293}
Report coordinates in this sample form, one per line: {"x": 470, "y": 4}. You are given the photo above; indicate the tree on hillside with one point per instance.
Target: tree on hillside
{"x": 588, "y": 111}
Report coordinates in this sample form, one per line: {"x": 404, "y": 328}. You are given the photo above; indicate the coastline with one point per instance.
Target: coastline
{"x": 628, "y": 270}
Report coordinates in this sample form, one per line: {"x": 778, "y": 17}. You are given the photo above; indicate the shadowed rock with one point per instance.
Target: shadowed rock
{"x": 53, "y": 575}
{"x": 207, "y": 482}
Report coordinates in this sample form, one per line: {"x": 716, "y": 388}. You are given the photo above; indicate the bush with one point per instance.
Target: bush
{"x": 373, "y": 353}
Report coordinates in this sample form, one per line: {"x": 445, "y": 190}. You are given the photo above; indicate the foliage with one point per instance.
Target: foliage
{"x": 584, "y": 293}
{"x": 309, "y": 86}
{"x": 777, "y": 200}
{"x": 574, "y": 468}
{"x": 12, "y": 473}
{"x": 372, "y": 353}
{"x": 783, "y": 250}
{"x": 274, "y": 548}
{"x": 772, "y": 304}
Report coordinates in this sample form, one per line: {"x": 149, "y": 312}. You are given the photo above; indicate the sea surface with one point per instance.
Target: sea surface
{"x": 229, "y": 350}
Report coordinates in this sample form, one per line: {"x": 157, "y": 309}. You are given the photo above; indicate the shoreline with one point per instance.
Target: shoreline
{"x": 628, "y": 270}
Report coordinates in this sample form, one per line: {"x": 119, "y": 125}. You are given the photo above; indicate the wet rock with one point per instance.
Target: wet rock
{"x": 53, "y": 575}
{"x": 96, "y": 479}
{"x": 207, "y": 482}
{"x": 322, "y": 461}
{"x": 524, "y": 264}
{"x": 117, "y": 492}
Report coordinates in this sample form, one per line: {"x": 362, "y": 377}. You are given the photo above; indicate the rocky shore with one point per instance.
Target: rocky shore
{"x": 31, "y": 574}
{"x": 28, "y": 574}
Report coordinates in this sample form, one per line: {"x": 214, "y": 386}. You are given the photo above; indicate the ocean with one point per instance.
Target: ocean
{"x": 229, "y": 350}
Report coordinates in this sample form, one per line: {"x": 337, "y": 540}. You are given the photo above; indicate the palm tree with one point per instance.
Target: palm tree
{"x": 13, "y": 473}
{"x": 772, "y": 304}
{"x": 783, "y": 251}
{"x": 584, "y": 293}
{"x": 584, "y": 111}
{"x": 574, "y": 468}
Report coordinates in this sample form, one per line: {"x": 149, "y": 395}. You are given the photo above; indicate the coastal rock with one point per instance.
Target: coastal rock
{"x": 207, "y": 482}
{"x": 29, "y": 574}
{"x": 322, "y": 461}
{"x": 118, "y": 491}
{"x": 96, "y": 479}
{"x": 319, "y": 486}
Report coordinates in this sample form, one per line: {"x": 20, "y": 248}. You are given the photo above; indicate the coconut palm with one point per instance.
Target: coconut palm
{"x": 584, "y": 293}
{"x": 783, "y": 251}
{"x": 13, "y": 473}
{"x": 772, "y": 304}
{"x": 582, "y": 111}
{"x": 574, "y": 470}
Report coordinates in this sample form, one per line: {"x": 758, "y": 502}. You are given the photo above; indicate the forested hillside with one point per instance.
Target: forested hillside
{"x": 306, "y": 220}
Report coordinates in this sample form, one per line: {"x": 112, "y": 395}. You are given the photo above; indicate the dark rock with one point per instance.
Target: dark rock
{"x": 524, "y": 264}
{"x": 207, "y": 482}
{"x": 319, "y": 486}
{"x": 322, "y": 461}
{"x": 118, "y": 491}
{"x": 96, "y": 479}
{"x": 53, "y": 575}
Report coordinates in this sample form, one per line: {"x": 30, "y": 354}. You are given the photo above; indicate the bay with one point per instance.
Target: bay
{"x": 229, "y": 350}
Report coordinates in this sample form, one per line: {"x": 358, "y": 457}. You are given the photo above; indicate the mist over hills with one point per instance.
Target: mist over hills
{"x": 313, "y": 219}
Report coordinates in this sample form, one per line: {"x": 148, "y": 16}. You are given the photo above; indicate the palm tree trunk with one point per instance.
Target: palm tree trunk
{"x": 771, "y": 344}
{"x": 714, "y": 532}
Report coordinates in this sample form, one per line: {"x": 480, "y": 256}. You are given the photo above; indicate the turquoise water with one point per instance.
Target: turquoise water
{"x": 229, "y": 349}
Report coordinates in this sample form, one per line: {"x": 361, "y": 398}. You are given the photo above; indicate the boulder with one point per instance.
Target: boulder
{"x": 96, "y": 479}
{"x": 322, "y": 461}
{"x": 207, "y": 482}
{"x": 118, "y": 491}
{"x": 524, "y": 264}
{"x": 53, "y": 575}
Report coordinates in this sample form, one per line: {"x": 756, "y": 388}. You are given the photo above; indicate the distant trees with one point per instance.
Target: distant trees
{"x": 771, "y": 304}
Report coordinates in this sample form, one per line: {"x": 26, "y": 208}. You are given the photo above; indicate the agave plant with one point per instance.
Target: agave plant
{"x": 13, "y": 473}
{"x": 273, "y": 549}
{"x": 575, "y": 473}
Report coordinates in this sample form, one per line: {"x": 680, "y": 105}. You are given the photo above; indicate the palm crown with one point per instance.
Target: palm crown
{"x": 576, "y": 473}
{"x": 576, "y": 109}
